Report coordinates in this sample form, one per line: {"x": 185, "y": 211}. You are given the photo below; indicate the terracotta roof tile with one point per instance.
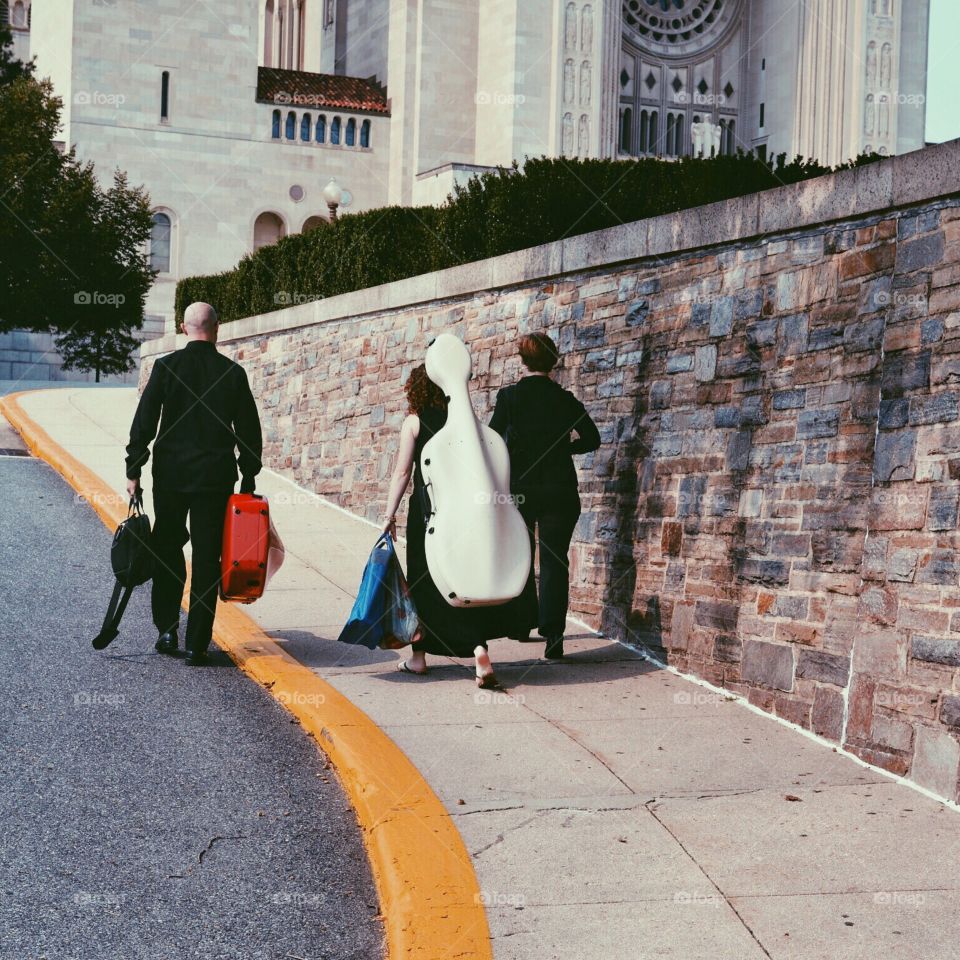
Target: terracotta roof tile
{"x": 302, "y": 89}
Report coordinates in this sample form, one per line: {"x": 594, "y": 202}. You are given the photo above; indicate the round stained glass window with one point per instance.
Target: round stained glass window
{"x": 677, "y": 27}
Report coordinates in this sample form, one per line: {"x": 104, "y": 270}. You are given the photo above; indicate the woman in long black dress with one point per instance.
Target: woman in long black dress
{"x": 446, "y": 630}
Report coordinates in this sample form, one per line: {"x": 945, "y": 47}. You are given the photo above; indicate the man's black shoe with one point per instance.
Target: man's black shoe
{"x": 167, "y": 643}
{"x": 554, "y": 650}
{"x": 196, "y": 658}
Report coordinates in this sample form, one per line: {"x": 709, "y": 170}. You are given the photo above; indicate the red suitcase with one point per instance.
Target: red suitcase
{"x": 252, "y": 551}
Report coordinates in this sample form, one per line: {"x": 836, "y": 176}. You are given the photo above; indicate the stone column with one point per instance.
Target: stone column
{"x": 295, "y": 63}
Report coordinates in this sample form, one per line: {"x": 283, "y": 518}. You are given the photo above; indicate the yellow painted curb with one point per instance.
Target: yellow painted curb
{"x": 428, "y": 889}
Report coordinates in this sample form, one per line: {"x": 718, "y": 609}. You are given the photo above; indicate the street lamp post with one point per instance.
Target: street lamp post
{"x": 333, "y": 194}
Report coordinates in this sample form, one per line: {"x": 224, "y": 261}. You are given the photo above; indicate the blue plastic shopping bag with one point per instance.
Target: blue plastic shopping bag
{"x": 365, "y": 626}
{"x": 383, "y": 614}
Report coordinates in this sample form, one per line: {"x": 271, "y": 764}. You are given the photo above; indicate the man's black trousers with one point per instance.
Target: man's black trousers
{"x": 206, "y": 512}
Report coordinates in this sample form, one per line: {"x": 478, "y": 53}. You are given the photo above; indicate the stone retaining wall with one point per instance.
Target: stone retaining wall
{"x": 777, "y": 383}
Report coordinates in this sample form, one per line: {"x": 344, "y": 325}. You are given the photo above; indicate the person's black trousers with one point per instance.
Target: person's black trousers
{"x": 554, "y": 524}
{"x": 206, "y": 513}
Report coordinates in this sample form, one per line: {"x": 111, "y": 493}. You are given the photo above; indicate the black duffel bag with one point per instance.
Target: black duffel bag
{"x": 131, "y": 556}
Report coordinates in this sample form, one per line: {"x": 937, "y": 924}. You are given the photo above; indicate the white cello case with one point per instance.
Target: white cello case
{"x": 476, "y": 542}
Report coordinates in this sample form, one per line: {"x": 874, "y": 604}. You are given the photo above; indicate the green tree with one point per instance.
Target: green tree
{"x": 74, "y": 258}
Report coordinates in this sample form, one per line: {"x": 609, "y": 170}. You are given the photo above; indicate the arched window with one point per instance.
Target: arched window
{"x": 670, "y": 125}
{"x": 305, "y": 128}
{"x": 311, "y": 223}
{"x": 335, "y": 131}
{"x": 351, "y": 138}
{"x": 18, "y": 16}
{"x": 731, "y": 137}
{"x": 267, "y": 229}
{"x": 626, "y": 122}
{"x": 365, "y": 133}
{"x": 321, "y": 132}
{"x": 275, "y": 129}
{"x": 644, "y": 131}
{"x": 678, "y": 135}
{"x": 291, "y": 126}
{"x": 723, "y": 137}
{"x": 160, "y": 234}
{"x": 654, "y": 145}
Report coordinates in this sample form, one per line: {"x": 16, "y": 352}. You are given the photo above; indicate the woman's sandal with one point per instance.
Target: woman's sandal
{"x": 404, "y": 667}
{"x": 488, "y": 681}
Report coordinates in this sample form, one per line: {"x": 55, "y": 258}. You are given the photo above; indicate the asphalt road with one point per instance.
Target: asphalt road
{"x": 148, "y": 809}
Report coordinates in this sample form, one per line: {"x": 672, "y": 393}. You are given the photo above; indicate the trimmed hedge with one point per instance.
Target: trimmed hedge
{"x": 494, "y": 213}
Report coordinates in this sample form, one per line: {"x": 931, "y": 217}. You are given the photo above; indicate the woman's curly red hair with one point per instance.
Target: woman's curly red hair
{"x": 422, "y": 393}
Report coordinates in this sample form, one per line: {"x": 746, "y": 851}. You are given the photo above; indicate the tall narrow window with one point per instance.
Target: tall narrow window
{"x": 165, "y": 96}
{"x": 626, "y": 122}
{"x": 365, "y": 133}
{"x": 654, "y": 146}
{"x": 305, "y": 128}
{"x": 678, "y": 136}
{"x": 19, "y": 16}
{"x": 335, "y": 131}
{"x": 762, "y": 114}
{"x": 351, "y": 138}
{"x": 731, "y": 137}
{"x": 291, "y": 130}
{"x": 670, "y": 123}
{"x": 160, "y": 243}
{"x": 275, "y": 129}
{"x": 644, "y": 145}
{"x": 321, "y": 132}
{"x": 723, "y": 138}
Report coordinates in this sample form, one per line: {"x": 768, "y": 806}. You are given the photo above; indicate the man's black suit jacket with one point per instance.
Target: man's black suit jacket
{"x": 202, "y": 402}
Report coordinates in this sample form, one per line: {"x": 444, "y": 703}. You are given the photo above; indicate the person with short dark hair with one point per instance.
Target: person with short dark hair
{"x": 208, "y": 426}
{"x": 538, "y": 418}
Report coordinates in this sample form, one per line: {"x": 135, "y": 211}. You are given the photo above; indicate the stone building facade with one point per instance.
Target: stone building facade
{"x": 775, "y": 504}
{"x": 235, "y": 116}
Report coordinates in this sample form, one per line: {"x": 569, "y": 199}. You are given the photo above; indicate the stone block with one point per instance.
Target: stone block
{"x": 705, "y": 362}
{"x": 721, "y": 317}
{"x": 793, "y": 334}
{"x": 724, "y": 417}
{"x": 679, "y": 362}
{"x": 825, "y": 338}
{"x": 938, "y": 408}
{"x": 941, "y": 567}
{"x": 931, "y": 330}
{"x": 936, "y": 756}
{"x": 942, "y": 512}
{"x": 587, "y": 338}
{"x": 818, "y": 423}
{"x": 671, "y": 539}
{"x": 916, "y": 254}
{"x": 751, "y": 502}
{"x": 771, "y": 572}
{"x": 661, "y": 392}
{"x": 823, "y": 667}
{"x": 866, "y": 335}
{"x": 600, "y": 359}
{"x": 935, "y": 650}
{"x": 637, "y": 313}
{"x": 748, "y": 304}
{"x": 879, "y": 605}
{"x": 789, "y": 399}
{"x": 826, "y": 717}
{"x": 716, "y": 614}
{"x": 950, "y": 711}
{"x": 767, "y": 664}
{"x": 902, "y": 565}
{"x": 894, "y": 413}
{"x": 894, "y": 457}
{"x": 738, "y": 451}
{"x": 903, "y": 373}
{"x": 611, "y": 387}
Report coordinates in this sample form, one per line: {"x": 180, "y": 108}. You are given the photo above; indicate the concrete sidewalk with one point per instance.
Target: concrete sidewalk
{"x": 612, "y": 809}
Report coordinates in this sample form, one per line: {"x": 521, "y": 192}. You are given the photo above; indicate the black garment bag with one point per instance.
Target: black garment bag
{"x": 131, "y": 556}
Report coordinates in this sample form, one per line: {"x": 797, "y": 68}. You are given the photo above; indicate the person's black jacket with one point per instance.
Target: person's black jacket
{"x": 205, "y": 410}
{"x": 536, "y": 417}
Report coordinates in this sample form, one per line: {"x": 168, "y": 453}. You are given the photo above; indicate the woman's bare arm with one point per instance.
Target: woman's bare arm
{"x": 402, "y": 471}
